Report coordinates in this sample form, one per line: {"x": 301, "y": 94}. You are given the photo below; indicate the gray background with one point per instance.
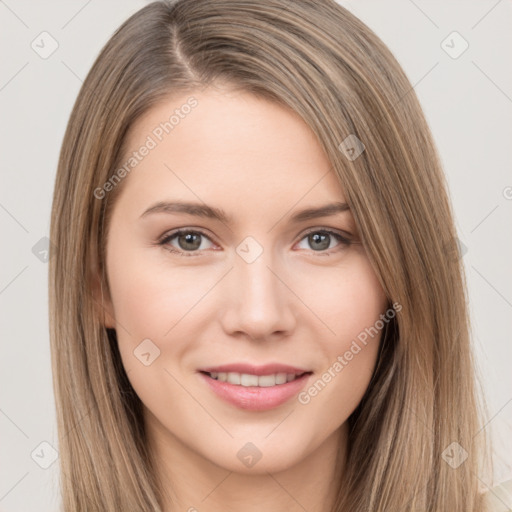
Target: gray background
{"x": 467, "y": 101}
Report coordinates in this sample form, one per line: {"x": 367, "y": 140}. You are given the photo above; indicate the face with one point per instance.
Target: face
{"x": 231, "y": 255}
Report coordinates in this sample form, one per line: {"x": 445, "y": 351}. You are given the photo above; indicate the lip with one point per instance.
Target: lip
{"x": 266, "y": 369}
{"x": 255, "y": 398}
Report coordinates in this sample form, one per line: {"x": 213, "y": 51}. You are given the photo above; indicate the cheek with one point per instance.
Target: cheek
{"x": 152, "y": 304}
{"x": 167, "y": 307}
{"x": 351, "y": 305}
{"x": 347, "y": 301}
{"x": 149, "y": 299}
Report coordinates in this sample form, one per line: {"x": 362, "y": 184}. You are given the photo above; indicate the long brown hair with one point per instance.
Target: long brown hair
{"x": 321, "y": 61}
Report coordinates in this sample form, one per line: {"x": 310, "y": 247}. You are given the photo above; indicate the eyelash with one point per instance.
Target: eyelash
{"x": 166, "y": 238}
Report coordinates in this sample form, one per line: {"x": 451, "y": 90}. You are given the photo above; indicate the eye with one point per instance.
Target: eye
{"x": 188, "y": 242}
{"x": 321, "y": 240}
{"x": 185, "y": 241}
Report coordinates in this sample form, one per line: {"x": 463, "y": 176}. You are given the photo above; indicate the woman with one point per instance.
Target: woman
{"x": 256, "y": 297}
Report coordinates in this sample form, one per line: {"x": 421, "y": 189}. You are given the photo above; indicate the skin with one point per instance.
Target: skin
{"x": 294, "y": 304}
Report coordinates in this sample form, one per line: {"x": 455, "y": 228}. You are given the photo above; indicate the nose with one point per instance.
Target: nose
{"x": 259, "y": 303}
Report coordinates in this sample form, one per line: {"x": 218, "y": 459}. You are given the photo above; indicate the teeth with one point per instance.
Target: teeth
{"x": 281, "y": 378}
{"x": 265, "y": 381}
{"x": 234, "y": 378}
{"x": 246, "y": 379}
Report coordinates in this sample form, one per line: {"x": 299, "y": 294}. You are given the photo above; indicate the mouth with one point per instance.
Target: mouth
{"x": 255, "y": 388}
{"x": 251, "y": 380}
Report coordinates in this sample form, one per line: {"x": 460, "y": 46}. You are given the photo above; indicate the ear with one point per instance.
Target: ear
{"x": 101, "y": 296}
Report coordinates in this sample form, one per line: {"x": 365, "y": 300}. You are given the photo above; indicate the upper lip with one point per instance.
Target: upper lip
{"x": 266, "y": 369}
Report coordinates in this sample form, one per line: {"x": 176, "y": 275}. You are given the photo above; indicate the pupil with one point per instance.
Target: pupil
{"x": 321, "y": 240}
{"x": 189, "y": 241}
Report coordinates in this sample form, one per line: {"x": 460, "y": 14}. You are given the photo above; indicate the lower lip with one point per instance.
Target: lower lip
{"x": 255, "y": 398}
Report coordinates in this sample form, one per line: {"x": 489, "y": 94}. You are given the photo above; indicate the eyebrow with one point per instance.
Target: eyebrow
{"x": 203, "y": 210}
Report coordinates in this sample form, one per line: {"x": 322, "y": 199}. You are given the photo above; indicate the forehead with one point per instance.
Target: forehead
{"x": 230, "y": 146}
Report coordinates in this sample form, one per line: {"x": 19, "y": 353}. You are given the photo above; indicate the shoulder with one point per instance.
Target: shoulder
{"x": 499, "y": 498}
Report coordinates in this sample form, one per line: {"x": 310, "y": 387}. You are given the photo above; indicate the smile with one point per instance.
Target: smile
{"x": 247, "y": 379}
{"x": 255, "y": 392}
